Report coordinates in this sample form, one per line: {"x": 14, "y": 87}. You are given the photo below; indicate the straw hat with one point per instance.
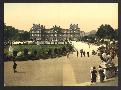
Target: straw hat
{"x": 91, "y": 68}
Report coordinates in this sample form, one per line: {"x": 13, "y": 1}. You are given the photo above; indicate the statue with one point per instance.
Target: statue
{"x": 11, "y": 49}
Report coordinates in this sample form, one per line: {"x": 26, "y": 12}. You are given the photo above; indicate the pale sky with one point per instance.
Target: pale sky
{"x": 89, "y": 16}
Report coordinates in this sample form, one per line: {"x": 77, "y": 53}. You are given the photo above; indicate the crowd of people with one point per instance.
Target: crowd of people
{"x": 107, "y": 54}
{"x": 83, "y": 53}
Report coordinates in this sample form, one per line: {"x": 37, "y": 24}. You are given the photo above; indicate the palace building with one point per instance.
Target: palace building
{"x": 56, "y": 33}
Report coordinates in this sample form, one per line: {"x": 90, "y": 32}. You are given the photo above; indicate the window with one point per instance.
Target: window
{"x": 55, "y": 31}
{"x": 37, "y": 31}
{"x": 55, "y": 35}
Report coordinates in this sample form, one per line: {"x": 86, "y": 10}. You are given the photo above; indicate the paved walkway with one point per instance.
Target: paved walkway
{"x": 63, "y": 71}
{"x": 108, "y": 82}
{"x": 69, "y": 78}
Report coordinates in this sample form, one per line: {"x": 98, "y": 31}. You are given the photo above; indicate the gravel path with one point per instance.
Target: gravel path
{"x": 61, "y": 71}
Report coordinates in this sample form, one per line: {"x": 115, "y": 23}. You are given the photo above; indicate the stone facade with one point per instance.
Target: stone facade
{"x": 56, "y": 33}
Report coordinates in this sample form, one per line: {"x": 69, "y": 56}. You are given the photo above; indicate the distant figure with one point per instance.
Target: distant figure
{"x": 77, "y": 53}
{"x": 109, "y": 59}
{"x": 104, "y": 57}
{"x": 67, "y": 54}
{"x": 89, "y": 45}
{"x": 101, "y": 74}
{"x": 84, "y": 53}
{"x": 94, "y": 52}
{"x": 93, "y": 74}
{"x": 81, "y": 51}
{"x": 88, "y": 54}
{"x": 112, "y": 54}
{"x": 14, "y": 67}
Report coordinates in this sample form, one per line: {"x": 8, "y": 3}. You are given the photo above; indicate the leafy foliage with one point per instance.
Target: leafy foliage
{"x": 105, "y": 31}
{"x": 35, "y": 52}
{"x": 12, "y": 34}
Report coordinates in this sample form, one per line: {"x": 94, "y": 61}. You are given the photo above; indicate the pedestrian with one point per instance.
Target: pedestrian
{"x": 88, "y": 54}
{"x": 67, "y": 54}
{"x": 101, "y": 74}
{"x": 93, "y": 74}
{"x": 104, "y": 57}
{"x": 81, "y": 51}
{"x": 89, "y": 45}
{"x": 14, "y": 67}
{"x": 109, "y": 59}
{"x": 77, "y": 53}
{"x": 84, "y": 53}
{"x": 94, "y": 52}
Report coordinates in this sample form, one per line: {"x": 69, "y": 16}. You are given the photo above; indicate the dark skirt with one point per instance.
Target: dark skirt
{"x": 102, "y": 78}
{"x": 93, "y": 79}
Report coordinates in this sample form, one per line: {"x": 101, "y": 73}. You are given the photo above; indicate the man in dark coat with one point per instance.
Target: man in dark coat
{"x": 93, "y": 75}
{"x": 77, "y": 53}
{"x": 88, "y": 54}
{"x": 14, "y": 67}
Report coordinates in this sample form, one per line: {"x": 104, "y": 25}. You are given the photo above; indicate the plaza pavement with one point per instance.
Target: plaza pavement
{"x": 62, "y": 71}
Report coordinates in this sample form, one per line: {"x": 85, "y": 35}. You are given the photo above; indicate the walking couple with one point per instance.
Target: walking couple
{"x": 93, "y": 72}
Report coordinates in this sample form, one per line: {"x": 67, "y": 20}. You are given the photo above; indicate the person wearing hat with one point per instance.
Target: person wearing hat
{"x": 93, "y": 74}
{"x": 101, "y": 74}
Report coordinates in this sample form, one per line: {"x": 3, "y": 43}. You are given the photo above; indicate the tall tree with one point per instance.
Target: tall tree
{"x": 116, "y": 34}
{"x": 105, "y": 31}
{"x": 10, "y": 34}
{"x": 24, "y": 36}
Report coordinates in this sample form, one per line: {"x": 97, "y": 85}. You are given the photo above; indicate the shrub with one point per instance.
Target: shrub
{"x": 35, "y": 53}
{"x": 21, "y": 58}
{"x": 50, "y": 52}
{"x": 15, "y": 53}
{"x": 64, "y": 49}
{"x": 7, "y": 57}
{"x": 55, "y": 51}
{"x": 41, "y": 51}
{"x": 25, "y": 52}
